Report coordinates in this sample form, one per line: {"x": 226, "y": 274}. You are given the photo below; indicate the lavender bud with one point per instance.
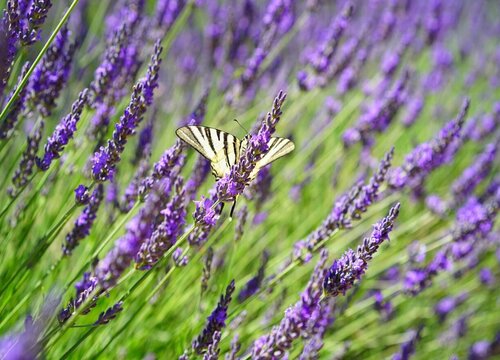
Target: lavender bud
{"x": 63, "y": 132}
{"x": 84, "y": 222}
{"x": 352, "y": 265}
{"x": 110, "y": 313}
{"x": 207, "y": 266}
{"x": 25, "y": 170}
{"x": 215, "y": 322}
{"x": 82, "y": 195}
{"x": 36, "y": 17}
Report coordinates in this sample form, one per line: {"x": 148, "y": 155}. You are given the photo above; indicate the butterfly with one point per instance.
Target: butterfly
{"x": 223, "y": 150}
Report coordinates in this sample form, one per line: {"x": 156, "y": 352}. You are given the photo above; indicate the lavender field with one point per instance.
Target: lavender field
{"x": 375, "y": 238}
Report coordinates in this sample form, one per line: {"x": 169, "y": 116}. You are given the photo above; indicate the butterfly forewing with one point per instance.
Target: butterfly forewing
{"x": 221, "y": 148}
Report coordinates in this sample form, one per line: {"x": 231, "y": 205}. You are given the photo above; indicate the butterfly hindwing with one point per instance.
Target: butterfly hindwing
{"x": 220, "y": 148}
{"x": 277, "y": 147}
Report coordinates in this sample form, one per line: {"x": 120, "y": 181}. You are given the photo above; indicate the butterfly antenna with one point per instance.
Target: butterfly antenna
{"x": 241, "y": 126}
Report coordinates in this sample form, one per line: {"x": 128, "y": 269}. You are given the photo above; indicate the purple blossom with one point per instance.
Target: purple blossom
{"x": 408, "y": 347}
{"x": 84, "y": 222}
{"x": 51, "y": 74}
{"x": 205, "y": 216}
{"x": 382, "y": 306}
{"x": 215, "y": 322}
{"x": 23, "y": 173}
{"x": 12, "y": 118}
{"x": 448, "y": 304}
{"x": 473, "y": 175}
{"x": 9, "y": 36}
{"x": 85, "y": 288}
{"x": 350, "y": 206}
{"x": 305, "y": 319}
{"x": 63, "y": 132}
{"x": 253, "y": 285}
{"x": 139, "y": 230}
{"x": 82, "y": 195}
{"x": 428, "y": 156}
{"x": 486, "y": 276}
{"x": 321, "y": 58}
{"x": 413, "y": 110}
{"x": 213, "y": 350}
{"x": 106, "y": 159}
{"x": 352, "y": 265}
{"x": 36, "y": 17}
{"x": 179, "y": 259}
{"x": 235, "y": 182}
{"x": 106, "y": 316}
{"x": 169, "y": 164}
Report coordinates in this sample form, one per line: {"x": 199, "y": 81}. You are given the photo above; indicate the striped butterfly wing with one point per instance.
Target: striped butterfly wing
{"x": 278, "y": 147}
{"x": 220, "y": 148}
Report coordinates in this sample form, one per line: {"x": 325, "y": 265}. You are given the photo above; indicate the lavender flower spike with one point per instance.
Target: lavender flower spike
{"x": 25, "y": 169}
{"x": 84, "y": 222}
{"x": 106, "y": 316}
{"x": 105, "y": 160}
{"x": 299, "y": 320}
{"x": 473, "y": 175}
{"x": 36, "y": 17}
{"x": 19, "y": 105}
{"x": 235, "y": 182}
{"x": 215, "y": 322}
{"x": 166, "y": 233}
{"x": 63, "y": 132}
{"x": 352, "y": 265}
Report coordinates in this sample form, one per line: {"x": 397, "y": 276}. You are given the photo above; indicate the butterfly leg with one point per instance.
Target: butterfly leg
{"x": 232, "y": 209}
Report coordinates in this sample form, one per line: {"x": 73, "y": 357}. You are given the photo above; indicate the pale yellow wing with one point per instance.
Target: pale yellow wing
{"x": 220, "y": 148}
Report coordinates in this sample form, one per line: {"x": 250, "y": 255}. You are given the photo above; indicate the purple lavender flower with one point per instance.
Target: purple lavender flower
{"x": 414, "y": 108}
{"x": 235, "y": 182}
{"x": 106, "y": 316}
{"x": 205, "y": 217}
{"x": 179, "y": 259}
{"x": 350, "y": 206}
{"x": 473, "y": 175}
{"x": 213, "y": 349}
{"x": 352, "y": 265}
{"x": 380, "y": 115}
{"x": 321, "y": 58}
{"x": 9, "y": 35}
{"x": 25, "y": 170}
{"x": 36, "y": 17}
{"x": 169, "y": 164}
{"x": 132, "y": 191}
{"x": 408, "y": 347}
{"x": 382, "y": 306}
{"x": 484, "y": 349}
{"x": 51, "y": 74}
{"x": 17, "y": 108}
{"x": 305, "y": 318}
{"x": 435, "y": 204}
{"x": 105, "y": 160}
{"x": 433, "y": 20}
{"x": 85, "y": 288}
{"x": 215, "y": 322}
{"x": 446, "y": 305}
{"x": 428, "y": 156}
{"x": 486, "y": 276}
{"x": 63, "y": 132}
{"x": 253, "y": 285}
{"x": 84, "y": 222}
{"x": 139, "y": 230}
{"x": 82, "y": 195}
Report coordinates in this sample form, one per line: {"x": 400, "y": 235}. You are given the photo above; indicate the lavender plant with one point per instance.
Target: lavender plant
{"x": 114, "y": 239}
